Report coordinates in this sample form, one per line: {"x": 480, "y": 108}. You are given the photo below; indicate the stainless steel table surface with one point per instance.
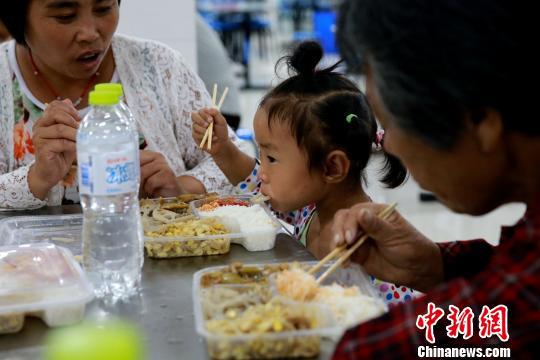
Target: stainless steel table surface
{"x": 164, "y": 309}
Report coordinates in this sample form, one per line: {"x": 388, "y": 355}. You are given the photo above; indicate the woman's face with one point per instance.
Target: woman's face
{"x": 465, "y": 178}
{"x": 71, "y": 37}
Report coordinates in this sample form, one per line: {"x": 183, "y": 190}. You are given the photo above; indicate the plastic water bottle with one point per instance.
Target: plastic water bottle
{"x": 124, "y": 109}
{"x": 119, "y": 90}
{"x": 108, "y": 186}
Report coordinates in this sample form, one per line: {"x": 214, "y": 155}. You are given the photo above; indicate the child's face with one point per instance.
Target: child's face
{"x": 284, "y": 171}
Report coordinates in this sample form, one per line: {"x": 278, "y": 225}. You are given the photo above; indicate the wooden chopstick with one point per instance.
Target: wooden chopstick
{"x": 326, "y": 259}
{"x": 335, "y": 252}
{"x": 206, "y": 133}
{"x": 346, "y": 253}
{"x": 209, "y": 131}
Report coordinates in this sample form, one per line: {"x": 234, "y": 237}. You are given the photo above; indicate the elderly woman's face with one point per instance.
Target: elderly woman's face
{"x": 464, "y": 178}
{"x": 71, "y": 36}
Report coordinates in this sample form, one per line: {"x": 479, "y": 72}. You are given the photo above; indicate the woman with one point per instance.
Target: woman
{"x": 60, "y": 50}
{"x": 448, "y": 82}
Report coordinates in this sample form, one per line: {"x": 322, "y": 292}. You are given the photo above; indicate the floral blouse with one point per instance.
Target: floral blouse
{"x": 162, "y": 92}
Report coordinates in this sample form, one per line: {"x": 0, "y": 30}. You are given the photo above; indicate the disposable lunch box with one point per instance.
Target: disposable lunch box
{"x": 41, "y": 280}
{"x": 304, "y": 343}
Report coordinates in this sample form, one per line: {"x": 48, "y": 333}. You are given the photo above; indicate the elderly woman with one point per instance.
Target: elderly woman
{"x": 61, "y": 49}
{"x": 448, "y": 81}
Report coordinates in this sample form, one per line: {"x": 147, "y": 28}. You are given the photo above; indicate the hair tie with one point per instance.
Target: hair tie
{"x": 350, "y": 117}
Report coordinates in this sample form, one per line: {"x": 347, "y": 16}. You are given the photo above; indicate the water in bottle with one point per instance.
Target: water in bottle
{"x": 108, "y": 185}
{"x": 124, "y": 109}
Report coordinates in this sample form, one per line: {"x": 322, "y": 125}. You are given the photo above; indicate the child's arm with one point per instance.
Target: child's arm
{"x": 235, "y": 164}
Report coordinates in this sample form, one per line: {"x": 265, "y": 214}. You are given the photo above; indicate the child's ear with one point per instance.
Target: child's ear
{"x": 336, "y": 167}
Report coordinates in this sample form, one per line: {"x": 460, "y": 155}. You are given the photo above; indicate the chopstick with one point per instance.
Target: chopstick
{"x": 345, "y": 253}
{"x": 210, "y": 130}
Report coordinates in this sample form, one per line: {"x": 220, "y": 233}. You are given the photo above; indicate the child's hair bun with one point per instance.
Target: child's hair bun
{"x": 305, "y": 58}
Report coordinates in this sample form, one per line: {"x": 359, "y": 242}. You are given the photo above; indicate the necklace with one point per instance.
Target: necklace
{"x": 85, "y": 91}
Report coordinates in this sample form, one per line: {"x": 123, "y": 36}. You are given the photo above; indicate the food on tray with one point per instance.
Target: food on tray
{"x": 256, "y": 225}
{"x": 263, "y": 324}
{"x": 238, "y": 273}
{"x": 348, "y": 304}
{"x": 227, "y": 201}
{"x": 191, "y": 227}
{"x": 161, "y": 211}
{"x": 180, "y": 238}
{"x": 272, "y": 317}
{"x": 297, "y": 284}
{"x": 182, "y": 248}
{"x": 229, "y": 301}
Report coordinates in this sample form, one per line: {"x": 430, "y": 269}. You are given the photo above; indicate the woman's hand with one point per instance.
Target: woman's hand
{"x": 54, "y": 137}
{"x": 395, "y": 251}
{"x": 200, "y": 122}
{"x": 157, "y": 178}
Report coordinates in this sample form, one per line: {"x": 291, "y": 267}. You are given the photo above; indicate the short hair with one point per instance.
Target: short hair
{"x": 437, "y": 63}
{"x": 14, "y": 14}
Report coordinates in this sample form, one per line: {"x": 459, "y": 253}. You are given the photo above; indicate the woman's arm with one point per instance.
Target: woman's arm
{"x": 15, "y": 192}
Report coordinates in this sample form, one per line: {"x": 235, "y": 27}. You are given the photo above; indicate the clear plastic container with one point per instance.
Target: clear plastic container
{"x": 61, "y": 230}
{"x": 304, "y": 343}
{"x": 183, "y": 246}
{"x": 256, "y": 238}
{"x": 189, "y": 245}
{"x": 41, "y": 280}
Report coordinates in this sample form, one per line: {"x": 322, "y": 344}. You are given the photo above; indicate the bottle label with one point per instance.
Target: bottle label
{"x": 108, "y": 174}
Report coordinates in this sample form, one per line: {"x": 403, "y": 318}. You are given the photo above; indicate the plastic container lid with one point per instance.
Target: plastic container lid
{"x": 103, "y": 98}
{"x": 112, "y": 87}
{"x": 61, "y": 230}
{"x": 37, "y": 277}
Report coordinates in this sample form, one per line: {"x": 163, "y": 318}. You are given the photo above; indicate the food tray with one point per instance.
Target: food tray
{"x": 304, "y": 343}
{"x": 190, "y": 245}
{"x": 41, "y": 280}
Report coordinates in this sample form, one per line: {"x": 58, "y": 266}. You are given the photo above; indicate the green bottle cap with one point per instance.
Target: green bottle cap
{"x": 103, "y": 98}
{"x": 112, "y": 340}
{"x": 112, "y": 87}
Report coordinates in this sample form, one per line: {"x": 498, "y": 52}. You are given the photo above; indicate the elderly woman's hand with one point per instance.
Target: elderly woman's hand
{"x": 395, "y": 252}
{"x": 201, "y": 120}
{"x": 54, "y": 139}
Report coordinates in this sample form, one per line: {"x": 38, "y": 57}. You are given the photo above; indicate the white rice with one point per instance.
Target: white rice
{"x": 253, "y": 222}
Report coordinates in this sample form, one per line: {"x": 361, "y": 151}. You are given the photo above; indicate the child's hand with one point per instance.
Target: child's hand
{"x": 200, "y": 122}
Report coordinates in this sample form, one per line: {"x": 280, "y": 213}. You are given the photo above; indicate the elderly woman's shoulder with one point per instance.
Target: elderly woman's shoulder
{"x": 136, "y": 47}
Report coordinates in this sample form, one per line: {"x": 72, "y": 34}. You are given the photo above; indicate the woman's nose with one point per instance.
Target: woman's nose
{"x": 88, "y": 31}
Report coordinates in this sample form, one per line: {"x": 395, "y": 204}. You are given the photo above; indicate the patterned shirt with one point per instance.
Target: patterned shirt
{"x": 162, "y": 92}
{"x": 300, "y": 220}
{"x": 476, "y": 275}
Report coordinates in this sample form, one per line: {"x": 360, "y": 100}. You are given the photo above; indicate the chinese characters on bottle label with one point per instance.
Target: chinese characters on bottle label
{"x": 108, "y": 174}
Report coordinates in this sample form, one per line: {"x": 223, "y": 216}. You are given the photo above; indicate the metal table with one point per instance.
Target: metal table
{"x": 164, "y": 309}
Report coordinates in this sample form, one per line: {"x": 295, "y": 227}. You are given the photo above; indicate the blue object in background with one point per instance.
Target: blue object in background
{"x": 247, "y": 135}
{"x": 324, "y": 25}
{"x": 324, "y": 31}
